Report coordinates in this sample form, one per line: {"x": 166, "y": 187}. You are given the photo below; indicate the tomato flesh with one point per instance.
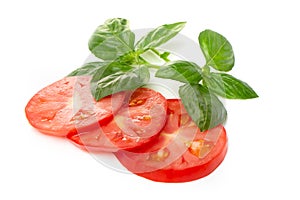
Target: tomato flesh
{"x": 92, "y": 139}
{"x": 136, "y": 123}
{"x": 181, "y": 152}
{"x": 67, "y": 105}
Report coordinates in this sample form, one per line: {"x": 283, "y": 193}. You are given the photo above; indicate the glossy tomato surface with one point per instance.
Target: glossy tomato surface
{"x": 67, "y": 105}
{"x": 181, "y": 152}
{"x": 137, "y": 122}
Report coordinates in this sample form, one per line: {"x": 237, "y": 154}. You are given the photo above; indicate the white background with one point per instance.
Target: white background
{"x": 42, "y": 41}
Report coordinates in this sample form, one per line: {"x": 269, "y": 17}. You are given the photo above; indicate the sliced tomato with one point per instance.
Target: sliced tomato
{"x": 67, "y": 105}
{"x": 181, "y": 153}
{"x": 136, "y": 123}
{"x": 92, "y": 139}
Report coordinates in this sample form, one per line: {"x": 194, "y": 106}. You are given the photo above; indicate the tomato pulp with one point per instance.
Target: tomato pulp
{"x": 181, "y": 152}
{"x": 136, "y": 123}
{"x": 67, "y": 105}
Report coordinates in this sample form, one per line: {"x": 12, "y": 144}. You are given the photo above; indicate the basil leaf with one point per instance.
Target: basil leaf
{"x": 159, "y": 35}
{"x": 164, "y": 56}
{"x": 123, "y": 77}
{"x": 112, "y": 39}
{"x": 88, "y": 69}
{"x": 183, "y": 71}
{"x": 217, "y": 50}
{"x": 228, "y": 86}
{"x": 206, "y": 110}
{"x": 111, "y": 68}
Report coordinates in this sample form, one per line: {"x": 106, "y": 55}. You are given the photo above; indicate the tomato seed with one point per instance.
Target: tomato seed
{"x": 160, "y": 155}
{"x": 136, "y": 102}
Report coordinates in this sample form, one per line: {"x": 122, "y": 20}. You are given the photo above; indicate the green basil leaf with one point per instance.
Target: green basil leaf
{"x": 159, "y": 35}
{"x": 217, "y": 50}
{"x": 112, "y": 39}
{"x": 228, "y": 86}
{"x": 165, "y": 56}
{"x": 122, "y": 77}
{"x": 111, "y": 68}
{"x": 88, "y": 68}
{"x": 183, "y": 71}
{"x": 206, "y": 110}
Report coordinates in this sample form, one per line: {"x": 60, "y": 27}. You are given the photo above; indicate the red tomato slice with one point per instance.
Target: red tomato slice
{"x": 92, "y": 139}
{"x": 181, "y": 153}
{"x": 136, "y": 123}
{"x": 67, "y": 105}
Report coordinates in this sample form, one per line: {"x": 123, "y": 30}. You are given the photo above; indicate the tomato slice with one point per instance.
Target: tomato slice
{"x": 92, "y": 139}
{"x": 181, "y": 153}
{"x": 136, "y": 123}
{"x": 67, "y": 105}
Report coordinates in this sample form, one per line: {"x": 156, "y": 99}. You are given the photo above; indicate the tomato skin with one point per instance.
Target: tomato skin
{"x": 67, "y": 105}
{"x": 137, "y": 123}
{"x": 173, "y": 158}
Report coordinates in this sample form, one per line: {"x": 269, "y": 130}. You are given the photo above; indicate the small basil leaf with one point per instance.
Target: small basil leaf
{"x": 217, "y": 50}
{"x": 183, "y": 71}
{"x": 127, "y": 78}
{"x": 206, "y": 110}
{"x": 165, "y": 56}
{"x": 159, "y": 35}
{"x": 228, "y": 86}
{"x": 88, "y": 69}
{"x": 112, "y": 39}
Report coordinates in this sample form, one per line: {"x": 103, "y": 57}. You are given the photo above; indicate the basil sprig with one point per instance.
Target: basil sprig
{"x": 199, "y": 94}
{"x": 122, "y": 67}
